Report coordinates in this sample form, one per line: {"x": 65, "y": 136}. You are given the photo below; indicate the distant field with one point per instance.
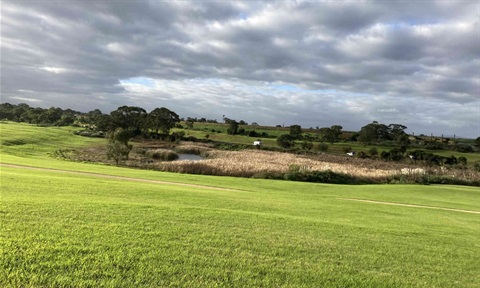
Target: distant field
{"x": 202, "y": 129}
{"x": 62, "y": 228}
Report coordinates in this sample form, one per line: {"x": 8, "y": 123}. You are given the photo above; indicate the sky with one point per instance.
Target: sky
{"x": 311, "y": 63}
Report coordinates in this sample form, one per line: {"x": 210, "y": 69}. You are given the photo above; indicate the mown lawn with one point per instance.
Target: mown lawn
{"x": 76, "y": 230}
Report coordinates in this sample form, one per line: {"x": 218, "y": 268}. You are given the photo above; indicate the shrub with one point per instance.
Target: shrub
{"x": 347, "y": 149}
{"x": 362, "y": 155}
{"x": 253, "y": 133}
{"x": 323, "y": 147}
{"x": 298, "y": 173}
{"x": 285, "y": 141}
{"x": 463, "y": 148}
{"x": 476, "y": 166}
{"x": 373, "y": 151}
{"x": 307, "y": 145}
{"x": 163, "y": 155}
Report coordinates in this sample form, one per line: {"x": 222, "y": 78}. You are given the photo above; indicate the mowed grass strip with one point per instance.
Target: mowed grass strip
{"x": 75, "y": 230}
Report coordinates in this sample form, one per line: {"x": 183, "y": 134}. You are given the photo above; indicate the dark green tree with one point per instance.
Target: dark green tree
{"x": 296, "y": 131}
{"x": 477, "y": 142}
{"x": 232, "y": 127}
{"x": 118, "y": 148}
{"x": 92, "y": 116}
{"x": 162, "y": 119}
{"x": 402, "y": 140}
{"x": 331, "y": 134}
{"x": 21, "y": 111}
{"x": 395, "y": 130}
{"x": 373, "y": 133}
{"x": 6, "y": 111}
{"x": 285, "y": 141}
{"x": 129, "y": 118}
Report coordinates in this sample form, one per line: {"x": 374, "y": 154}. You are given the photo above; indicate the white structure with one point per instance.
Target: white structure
{"x": 351, "y": 154}
{"x": 257, "y": 143}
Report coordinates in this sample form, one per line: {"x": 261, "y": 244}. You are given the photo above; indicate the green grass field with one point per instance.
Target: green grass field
{"x": 65, "y": 229}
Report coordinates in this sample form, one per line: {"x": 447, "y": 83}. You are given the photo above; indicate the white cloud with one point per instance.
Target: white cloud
{"x": 56, "y": 70}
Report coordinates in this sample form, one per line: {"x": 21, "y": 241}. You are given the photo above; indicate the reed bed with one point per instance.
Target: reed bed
{"x": 278, "y": 165}
{"x": 248, "y": 163}
{"x": 252, "y": 163}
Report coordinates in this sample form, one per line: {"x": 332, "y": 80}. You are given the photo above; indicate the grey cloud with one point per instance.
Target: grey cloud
{"x": 401, "y": 52}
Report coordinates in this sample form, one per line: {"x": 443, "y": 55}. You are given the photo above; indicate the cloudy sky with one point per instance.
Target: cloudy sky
{"x": 313, "y": 63}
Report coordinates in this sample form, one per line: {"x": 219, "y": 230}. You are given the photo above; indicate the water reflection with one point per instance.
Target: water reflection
{"x": 191, "y": 157}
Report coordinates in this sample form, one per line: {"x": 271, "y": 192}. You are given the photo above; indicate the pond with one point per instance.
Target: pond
{"x": 191, "y": 157}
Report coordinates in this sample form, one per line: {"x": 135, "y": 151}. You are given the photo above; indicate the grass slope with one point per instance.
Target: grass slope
{"x": 66, "y": 230}
{"x": 77, "y": 230}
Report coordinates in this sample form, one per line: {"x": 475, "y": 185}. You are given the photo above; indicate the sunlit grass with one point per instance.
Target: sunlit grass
{"x": 77, "y": 230}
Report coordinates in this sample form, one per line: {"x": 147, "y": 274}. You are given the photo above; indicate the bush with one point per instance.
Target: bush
{"x": 285, "y": 141}
{"x": 373, "y": 151}
{"x": 323, "y": 147}
{"x": 230, "y": 146}
{"x": 298, "y": 173}
{"x": 347, "y": 149}
{"x": 463, "y": 148}
{"x": 253, "y": 133}
{"x": 307, "y": 145}
{"x": 476, "y": 166}
{"x": 163, "y": 155}
{"x": 434, "y": 146}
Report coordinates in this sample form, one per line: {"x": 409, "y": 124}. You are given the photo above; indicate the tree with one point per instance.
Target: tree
{"x": 129, "y": 118}
{"x": 331, "y": 134}
{"x": 233, "y": 127}
{"x": 285, "y": 141}
{"x": 103, "y": 123}
{"x": 21, "y": 111}
{"x": 117, "y": 146}
{"x": 162, "y": 119}
{"x": 373, "y": 133}
{"x": 395, "y": 130}
{"x": 477, "y": 142}
{"x": 92, "y": 117}
{"x": 296, "y": 131}
{"x": 52, "y": 115}
{"x": 6, "y": 111}
{"x": 403, "y": 140}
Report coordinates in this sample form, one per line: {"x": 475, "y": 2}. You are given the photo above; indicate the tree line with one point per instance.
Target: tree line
{"x": 136, "y": 121}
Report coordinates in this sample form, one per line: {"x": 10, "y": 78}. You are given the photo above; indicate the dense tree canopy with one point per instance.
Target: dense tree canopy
{"x": 376, "y": 132}
{"x": 296, "y": 131}
{"x": 331, "y": 134}
{"x": 162, "y": 119}
{"x": 130, "y": 118}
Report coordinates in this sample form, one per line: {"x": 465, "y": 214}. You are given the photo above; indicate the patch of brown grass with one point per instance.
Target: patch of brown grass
{"x": 249, "y": 163}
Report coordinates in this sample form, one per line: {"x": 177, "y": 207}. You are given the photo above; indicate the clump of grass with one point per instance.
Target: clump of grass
{"x": 196, "y": 149}
{"x": 162, "y": 155}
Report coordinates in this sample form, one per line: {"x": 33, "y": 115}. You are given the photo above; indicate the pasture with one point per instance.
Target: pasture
{"x": 76, "y": 225}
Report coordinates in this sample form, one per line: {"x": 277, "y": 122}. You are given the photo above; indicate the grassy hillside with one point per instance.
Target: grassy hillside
{"x": 65, "y": 229}
{"x": 76, "y": 230}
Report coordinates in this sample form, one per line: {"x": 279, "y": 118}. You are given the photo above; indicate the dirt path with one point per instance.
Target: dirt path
{"x": 115, "y": 177}
{"x": 412, "y": 205}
